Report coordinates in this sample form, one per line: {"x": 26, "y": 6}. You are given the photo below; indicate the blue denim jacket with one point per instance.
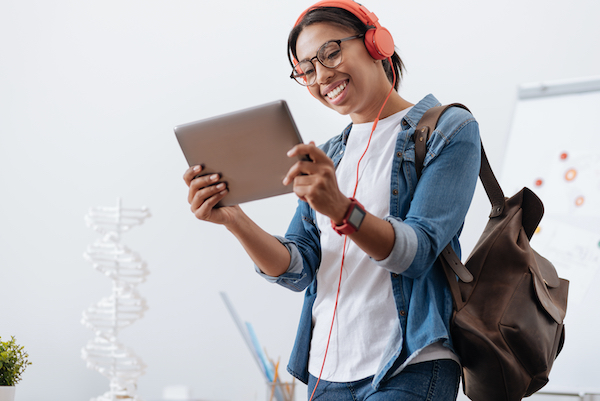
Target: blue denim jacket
{"x": 425, "y": 219}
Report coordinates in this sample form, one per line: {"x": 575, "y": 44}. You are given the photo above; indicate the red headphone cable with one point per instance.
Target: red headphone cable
{"x": 345, "y": 236}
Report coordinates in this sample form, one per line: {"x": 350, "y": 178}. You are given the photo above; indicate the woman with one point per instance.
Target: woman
{"x": 365, "y": 237}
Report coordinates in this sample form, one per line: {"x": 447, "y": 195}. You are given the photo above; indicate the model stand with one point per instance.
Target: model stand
{"x": 104, "y": 353}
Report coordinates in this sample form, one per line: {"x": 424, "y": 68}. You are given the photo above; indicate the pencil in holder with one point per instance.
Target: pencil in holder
{"x": 281, "y": 391}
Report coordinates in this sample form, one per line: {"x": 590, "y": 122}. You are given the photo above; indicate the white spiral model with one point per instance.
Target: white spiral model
{"x": 124, "y": 306}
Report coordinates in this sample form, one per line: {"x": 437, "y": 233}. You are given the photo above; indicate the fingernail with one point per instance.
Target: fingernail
{"x": 221, "y": 186}
{"x": 196, "y": 168}
{"x": 214, "y": 177}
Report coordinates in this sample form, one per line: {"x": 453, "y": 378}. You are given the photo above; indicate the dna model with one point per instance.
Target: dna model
{"x": 104, "y": 353}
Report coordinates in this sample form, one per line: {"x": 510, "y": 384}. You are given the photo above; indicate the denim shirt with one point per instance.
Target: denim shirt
{"x": 425, "y": 218}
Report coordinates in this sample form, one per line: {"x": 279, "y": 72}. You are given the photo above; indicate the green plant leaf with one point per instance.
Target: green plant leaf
{"x": 13, "y": 362}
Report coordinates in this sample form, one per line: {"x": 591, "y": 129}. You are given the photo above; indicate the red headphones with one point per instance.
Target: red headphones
{"x": 378, "y": 40}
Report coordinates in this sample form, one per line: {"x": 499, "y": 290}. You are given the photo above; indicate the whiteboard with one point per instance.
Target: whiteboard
{"x": 554, "y": 149}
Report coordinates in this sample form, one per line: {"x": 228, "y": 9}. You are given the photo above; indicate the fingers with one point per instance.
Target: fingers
{"x": 314, "y": 153}
{"x": 206, "y": 199}
{"x": 191, "y": 173}
{"x": 299, "y": 169}
{"x": 314, "y": 159}
{"x": 203, "y": 187}
{"x": 205, "y": 191}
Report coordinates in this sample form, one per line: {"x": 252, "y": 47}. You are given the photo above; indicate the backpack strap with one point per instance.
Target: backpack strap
{"x": 425, "y": 128}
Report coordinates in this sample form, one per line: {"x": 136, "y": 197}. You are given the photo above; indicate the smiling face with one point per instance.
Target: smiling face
{"x": 358, "y": 86}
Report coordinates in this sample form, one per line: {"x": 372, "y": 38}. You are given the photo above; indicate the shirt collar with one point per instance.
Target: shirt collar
{"x": 415, "y": 114}
{"x": 412, "y": 117}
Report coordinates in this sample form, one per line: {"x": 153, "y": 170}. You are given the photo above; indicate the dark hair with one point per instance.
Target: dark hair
{"x": 346, "y": 19}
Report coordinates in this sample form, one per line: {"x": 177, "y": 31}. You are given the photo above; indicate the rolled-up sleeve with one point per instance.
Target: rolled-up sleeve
{"x": 294, "y": 275}
{"x": 404, "y": 250}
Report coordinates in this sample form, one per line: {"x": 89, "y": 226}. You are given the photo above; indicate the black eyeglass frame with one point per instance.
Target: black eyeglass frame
{"x": 338, "y": 41}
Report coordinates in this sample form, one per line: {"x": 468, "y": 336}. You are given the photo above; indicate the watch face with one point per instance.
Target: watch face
{"x": 356, "y": 216}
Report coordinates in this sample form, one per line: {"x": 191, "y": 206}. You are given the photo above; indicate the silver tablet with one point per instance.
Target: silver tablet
{"x": 248, "y": 148}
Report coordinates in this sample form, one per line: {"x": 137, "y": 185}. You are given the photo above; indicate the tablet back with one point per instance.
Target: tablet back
{"x": 248, "y": 148}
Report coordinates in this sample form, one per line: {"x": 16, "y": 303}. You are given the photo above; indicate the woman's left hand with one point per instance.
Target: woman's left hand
{"x": 315, "y": 182}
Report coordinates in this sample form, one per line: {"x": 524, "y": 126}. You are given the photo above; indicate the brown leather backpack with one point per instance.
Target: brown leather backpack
{"x": 509, "y": 303}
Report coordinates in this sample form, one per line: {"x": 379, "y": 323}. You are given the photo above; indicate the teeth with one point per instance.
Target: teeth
{"x": 335, "y": 93}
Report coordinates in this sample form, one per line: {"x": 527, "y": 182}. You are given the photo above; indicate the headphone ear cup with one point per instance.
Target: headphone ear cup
{"x": 379, "y": 43}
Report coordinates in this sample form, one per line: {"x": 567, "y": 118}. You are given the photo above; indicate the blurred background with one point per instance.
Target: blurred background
{"x": 89, "y": 94}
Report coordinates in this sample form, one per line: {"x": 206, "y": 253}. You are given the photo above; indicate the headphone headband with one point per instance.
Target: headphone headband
{"x": 360, "y": 11}
{"x": 378, "y": 40}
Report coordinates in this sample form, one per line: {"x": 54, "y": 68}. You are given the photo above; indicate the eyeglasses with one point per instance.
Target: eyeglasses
{"x": 329, "y": 55}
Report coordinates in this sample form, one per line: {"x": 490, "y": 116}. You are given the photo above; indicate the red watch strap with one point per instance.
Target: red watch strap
{"x": 347, "y": 228}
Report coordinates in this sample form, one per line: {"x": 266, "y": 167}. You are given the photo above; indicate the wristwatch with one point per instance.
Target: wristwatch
{"x": 352, "y": 220}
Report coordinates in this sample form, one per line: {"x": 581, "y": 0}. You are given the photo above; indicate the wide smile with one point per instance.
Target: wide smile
{"x": 337, "y": 90}
{"x": 334, "y": 93}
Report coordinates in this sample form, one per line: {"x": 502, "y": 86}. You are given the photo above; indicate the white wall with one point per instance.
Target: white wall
{"x": 89, "y": 93}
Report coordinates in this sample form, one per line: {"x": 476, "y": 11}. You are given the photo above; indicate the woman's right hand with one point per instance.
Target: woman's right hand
{"x": 205, "y": 192}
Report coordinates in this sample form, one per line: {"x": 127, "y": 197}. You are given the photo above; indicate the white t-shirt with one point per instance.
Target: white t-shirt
{"x": 366, "y": 311}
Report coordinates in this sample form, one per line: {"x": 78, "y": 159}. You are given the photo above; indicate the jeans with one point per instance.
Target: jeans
{"x": 427, "y": 381}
